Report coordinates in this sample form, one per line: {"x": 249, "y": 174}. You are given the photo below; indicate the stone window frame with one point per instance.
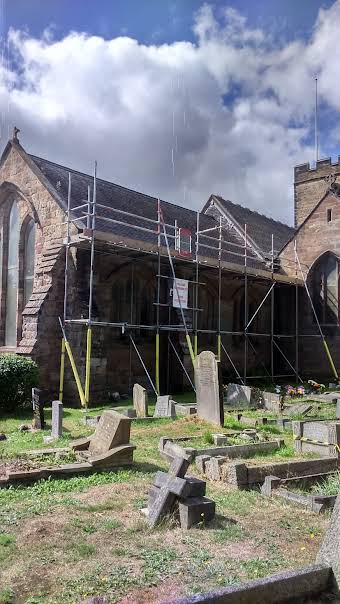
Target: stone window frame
{"x": 314, "y": 284}
{"x": 5, "y": 210}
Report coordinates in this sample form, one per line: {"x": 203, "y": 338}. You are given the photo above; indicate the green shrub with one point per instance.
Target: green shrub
{"x": 18, "y": 375}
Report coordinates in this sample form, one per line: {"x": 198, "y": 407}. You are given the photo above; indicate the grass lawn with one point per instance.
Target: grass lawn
{"x": 64, "y": 540}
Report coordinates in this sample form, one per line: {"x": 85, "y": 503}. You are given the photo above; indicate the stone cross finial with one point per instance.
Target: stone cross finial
{"x": 15, "y": 134}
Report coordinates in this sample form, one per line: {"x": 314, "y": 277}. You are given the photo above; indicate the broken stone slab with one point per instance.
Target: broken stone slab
{"x": 182, "y": 409}
{"x": 213, "y": 467}
{"x": 196, "y": 510}
{"x": 118, "y": 456}
{"x": 298, "y": 409}
{"x": 201, "y": 461}
{"x": 220, "y": 439}
{"x": 130, "y": 413}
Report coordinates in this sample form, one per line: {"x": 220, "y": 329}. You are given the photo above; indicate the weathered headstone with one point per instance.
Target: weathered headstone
{"x": 208, "y": 392}
{"x": 57, "y": 419}
{"x": 272, "y": 401}
{"x": 140, "y": 401}
{"x": 165, "y": 407}
{"x": 238, "y": 395}
{"x": 113, "y": 429}
{"x": 38, "y": 409}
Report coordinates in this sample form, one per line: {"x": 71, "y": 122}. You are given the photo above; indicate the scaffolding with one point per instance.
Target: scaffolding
{"x": 204, "y": 248}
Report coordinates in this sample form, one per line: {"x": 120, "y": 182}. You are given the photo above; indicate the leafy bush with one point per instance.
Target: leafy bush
{"x": 18, "y": 375}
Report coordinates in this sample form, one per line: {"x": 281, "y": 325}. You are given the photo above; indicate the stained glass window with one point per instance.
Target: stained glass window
{"x": 29, "y": 260}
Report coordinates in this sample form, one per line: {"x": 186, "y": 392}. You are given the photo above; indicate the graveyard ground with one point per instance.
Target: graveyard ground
{"x": 63, "y": 540}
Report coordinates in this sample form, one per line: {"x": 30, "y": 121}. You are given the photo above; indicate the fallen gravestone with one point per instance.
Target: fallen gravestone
{"x": 329, "y": 553}
{"x": 140, "y": 401}
{"x": 238, "y": 395}
{"x": 57, "y": 419}
{"x": 298, "y": 409}
{"x": 173, "y": 491}
{"x": 165, "y": 407}
{"x": 208, "y": 390}
{"x": 38, "y": 409}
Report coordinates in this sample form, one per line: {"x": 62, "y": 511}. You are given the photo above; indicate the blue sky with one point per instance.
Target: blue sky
{"x": 195, "y": 99}
{"x": 156, "y": 20}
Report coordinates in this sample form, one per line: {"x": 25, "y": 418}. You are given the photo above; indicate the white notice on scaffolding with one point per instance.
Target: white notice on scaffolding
{"x": 180, "y": 293}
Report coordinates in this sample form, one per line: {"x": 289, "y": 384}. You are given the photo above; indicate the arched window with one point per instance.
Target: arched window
{"x": 325, "y": 285}
{"x": 29, "y": 260}
{"x": 12, "y": 277}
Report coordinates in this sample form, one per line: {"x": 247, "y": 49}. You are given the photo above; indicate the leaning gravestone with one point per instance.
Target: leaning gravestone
{"x": 238, "y": 395}
{"x": 208, "y": 393}
{"x": 140, "y": 401}
{"x": 113, "y": 430}
{"x": 38, "y": 409}
{"x": 165, "y": 407}
{"x": 57, "y": 419}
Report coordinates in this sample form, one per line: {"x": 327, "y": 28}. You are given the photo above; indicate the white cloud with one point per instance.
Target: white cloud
{"x": 133, "y": 106}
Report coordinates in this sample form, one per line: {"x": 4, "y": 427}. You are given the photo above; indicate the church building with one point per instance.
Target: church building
{"x": 157, "y": 282}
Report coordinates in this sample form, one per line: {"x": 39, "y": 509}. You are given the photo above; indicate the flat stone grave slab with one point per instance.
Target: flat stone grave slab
{"x": 208, "y": 388}
{"x": 185, "y": 409}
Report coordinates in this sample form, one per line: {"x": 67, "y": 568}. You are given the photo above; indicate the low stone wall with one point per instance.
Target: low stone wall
{"x": 243, "y": 476}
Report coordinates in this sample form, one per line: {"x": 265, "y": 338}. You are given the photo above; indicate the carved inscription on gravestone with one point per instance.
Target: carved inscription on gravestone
{"x": 208, "y": 394}
{"x": 113, "y": 430}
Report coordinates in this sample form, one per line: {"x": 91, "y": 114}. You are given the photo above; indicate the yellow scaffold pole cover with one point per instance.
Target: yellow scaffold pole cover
{"x": 88, "y": 365}
{"x": 62, "y": 370}
{"x": 192, "y": 356}
{"x": 330, "y": 359}
{"x": 76, "y": 374}
{"x": 157, "y": 363}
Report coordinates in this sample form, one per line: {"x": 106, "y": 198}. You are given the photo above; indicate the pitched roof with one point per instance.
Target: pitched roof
{"x": 260, "y": 228}
{"x": 117, "y": 197}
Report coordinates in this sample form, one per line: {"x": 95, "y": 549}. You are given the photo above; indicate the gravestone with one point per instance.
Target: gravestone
{"x": 113, "y": 429}
{"x": 238, "y": 395}
{"x": 140, "y": 401}
{"x": 57, "y": 419}
{"x": 208, "y": 392}
{"x": 177, "y": 490}
{"x": 165, "y": 407}
{"x": 272, "y": 401}
{"x": 38, "y": 409}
